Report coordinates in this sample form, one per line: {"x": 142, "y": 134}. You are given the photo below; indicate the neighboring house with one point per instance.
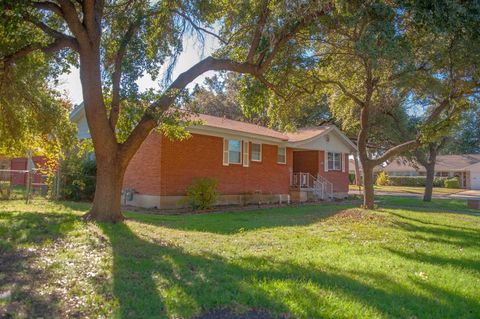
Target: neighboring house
{"x": 78, "y": 117}
{"x": 465, "y": 167}
{"x": 251, "y": 164}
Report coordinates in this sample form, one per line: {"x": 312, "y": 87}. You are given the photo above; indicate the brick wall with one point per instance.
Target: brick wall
{"x": 165, "y": 167}
{"x": 143, "y": 171}
{"x": 201, "y": 156}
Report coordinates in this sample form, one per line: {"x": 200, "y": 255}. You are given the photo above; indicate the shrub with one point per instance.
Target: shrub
{"x": 452, "y": 183}
{"x": 382, "y": 179}
{"x": 201, "y": 194}
{"x": 419, "y": 181}
{"x": 351, "y": 178}
{"x": 77, "y": 173}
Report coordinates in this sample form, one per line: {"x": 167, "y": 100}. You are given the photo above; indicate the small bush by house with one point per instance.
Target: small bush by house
{"x": 452, "y": 183}
{"x": 202, "y": 193}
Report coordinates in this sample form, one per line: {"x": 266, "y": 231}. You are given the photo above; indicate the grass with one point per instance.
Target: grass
{"x": 408, "y": 260}
{"x": 411, "y": 189}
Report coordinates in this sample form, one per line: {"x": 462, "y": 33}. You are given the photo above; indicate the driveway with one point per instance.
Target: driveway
{"x": 468, "y": 194}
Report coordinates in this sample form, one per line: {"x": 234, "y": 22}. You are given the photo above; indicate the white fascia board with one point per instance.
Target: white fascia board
{"x": 345, "y": 139}
{"x": 231, "y": 134}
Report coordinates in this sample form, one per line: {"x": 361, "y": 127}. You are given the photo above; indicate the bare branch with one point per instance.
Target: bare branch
{"x": 199, "y": 28}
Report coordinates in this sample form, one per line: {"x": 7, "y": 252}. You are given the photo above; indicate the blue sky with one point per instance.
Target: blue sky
{"x": 193, "y": 52}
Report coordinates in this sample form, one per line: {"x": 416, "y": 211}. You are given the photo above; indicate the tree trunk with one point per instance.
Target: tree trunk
{"x": 107, "y": 201}
{"x": 427, "y": 195}
{"x": 368, "y": 191}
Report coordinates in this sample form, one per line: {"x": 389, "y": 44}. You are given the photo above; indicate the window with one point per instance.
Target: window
{"x": 334, "y": 161}
{"x": 281, "y": 155}
{"x": 256, "y": 152}
{"x": 234, "y": 151}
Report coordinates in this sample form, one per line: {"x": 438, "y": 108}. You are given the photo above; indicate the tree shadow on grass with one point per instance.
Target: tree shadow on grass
{"x": 465, "y": 263}
{"x": 438, "y": 233}
{"x": 18, "y": 280}
{"x": 234, "y": 222}
{"x": 154, "y": 279}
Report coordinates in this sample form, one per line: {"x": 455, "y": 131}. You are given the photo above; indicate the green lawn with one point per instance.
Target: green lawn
{"x": 408, "y": 260}
{"x": 411, "y": 189}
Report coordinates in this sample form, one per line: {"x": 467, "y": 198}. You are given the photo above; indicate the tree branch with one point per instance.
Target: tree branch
{"x": 395, "y": 151}
{"x": 49, "y": 6}
{"x": 117, "y": 74}
{"x": 344, "y": 90}
{"x": 55, "y": 46}
{"x": 73, "y": 44}
{"x": 148, "y": 122}
{"x": 199, "y": 28}
{"x": 71, "y": 17}
{"x": 257, "y": 36}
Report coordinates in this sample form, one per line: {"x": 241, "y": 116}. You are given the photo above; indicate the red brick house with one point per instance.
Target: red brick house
{"x": 251, "y": 164}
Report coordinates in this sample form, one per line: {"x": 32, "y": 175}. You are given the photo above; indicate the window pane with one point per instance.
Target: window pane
{"x": 334, "y": 161}
{"x": 234, "y": 145}
{"x": 234, "y": 151}
{"x": 234, "y": 157}
{"x": 281, "y": 156}
{"x": 256, "y": 152}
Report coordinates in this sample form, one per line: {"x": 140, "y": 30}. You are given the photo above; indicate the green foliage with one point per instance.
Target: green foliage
{"x": 382, "y": 179}
{"x": 201, "y": 194}
{"x": 77, "y": 173}
{"x": 33, "y": 116}
{"x": 5, "y": 190}
{"x": 466, "y": 137}
{"x": 452, "y": 183}
{"x": 414, "y": 181}
{"x": 351, "y": 177}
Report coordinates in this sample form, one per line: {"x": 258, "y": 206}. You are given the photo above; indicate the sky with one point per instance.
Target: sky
{"x": 193, "y": 52}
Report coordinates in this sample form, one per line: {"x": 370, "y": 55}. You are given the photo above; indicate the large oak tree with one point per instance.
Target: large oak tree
{"x": 116, "y": 42}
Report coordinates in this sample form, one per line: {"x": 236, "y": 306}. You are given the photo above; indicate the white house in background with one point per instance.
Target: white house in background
{"x": 78, "y": 117}
{"x": 465, "y": 167}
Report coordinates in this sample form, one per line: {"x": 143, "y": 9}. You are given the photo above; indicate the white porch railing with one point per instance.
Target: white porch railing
{"x": 319, "y": 185}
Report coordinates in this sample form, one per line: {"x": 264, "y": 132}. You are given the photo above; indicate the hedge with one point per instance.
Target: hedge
{"x": 452, "y": 183}
{"x": 419, "y": 181}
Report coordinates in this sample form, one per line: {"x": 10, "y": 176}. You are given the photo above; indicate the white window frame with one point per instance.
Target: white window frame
{"x": 240, "y": 152}
{"x": 284, "y": 154}
{"x": 335, "y": 157}
{"x": 259, "y": 152}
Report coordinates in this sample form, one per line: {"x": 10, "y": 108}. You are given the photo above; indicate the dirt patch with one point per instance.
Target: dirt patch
{"x": 358, "y": 214}
{"x": 228, "y": 313}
